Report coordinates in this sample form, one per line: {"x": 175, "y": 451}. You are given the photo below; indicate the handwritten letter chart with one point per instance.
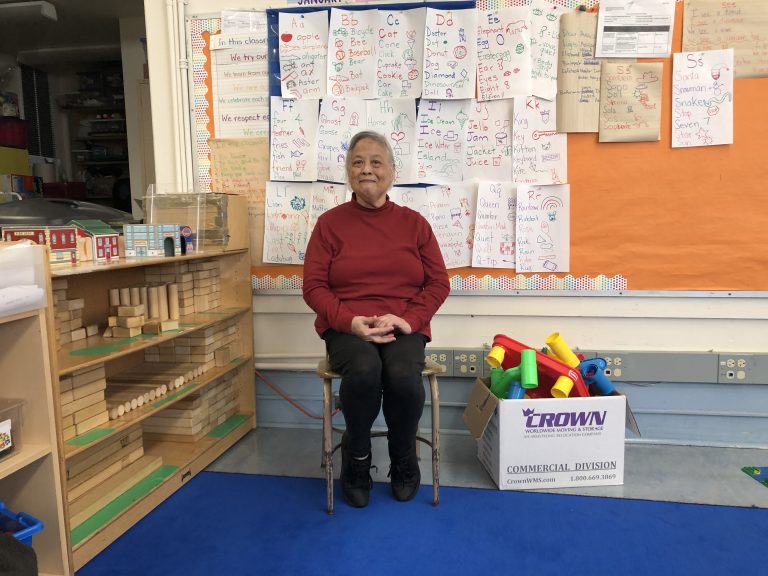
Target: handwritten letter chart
{"x": 452, "y": 217}
{"x": 540, "y": 153}
{"x": 340, "y": 119}
{"x": 413, "y": 198}
{"x": 578, "y": 78}
{"x": 545, "y": 38}
{"x": 396, "y": 119}
{"x": 630, "y": 102}
{"x": 702, "y": 98}
{"x": 286, "y": 222}
{"x": 450, "y": 55}
{"x": 303, "y": 53}
{"x": 352, "y": 49}
{"x": 543, "y": 229}
{"x": 494, "y": 240}
{"x": 324, "y": 197}
{"x": 293, "y": 148}
{"x": 440, "y": 133}
{"x": 400, "y": 52}
{"x": 488, "y": 143}
{"x": 503, "y": 54}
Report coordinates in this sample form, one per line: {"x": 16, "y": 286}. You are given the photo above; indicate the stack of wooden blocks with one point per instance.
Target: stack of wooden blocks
{"x": 209, "y": 347}
{"x": 207, "y": 291}
{"x": 98, "y": 475}
{"x": 83, "y": 404}
{"x": 194, "y": 416}
{"x": 177, "y": 273}
{"x": 69, "y": 316}
{"x": 151, "y": 309}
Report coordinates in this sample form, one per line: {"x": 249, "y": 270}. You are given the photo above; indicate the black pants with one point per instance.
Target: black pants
{"x": 376, "y": 375}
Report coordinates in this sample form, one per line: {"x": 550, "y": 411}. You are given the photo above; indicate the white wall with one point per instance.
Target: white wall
{"x": 283, "y": 323}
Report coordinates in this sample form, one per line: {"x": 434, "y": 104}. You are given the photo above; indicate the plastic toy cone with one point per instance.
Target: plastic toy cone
{"x": 495, "y": 357}
{"x": 562, "y": 387}
{"x": 561, "y": 349}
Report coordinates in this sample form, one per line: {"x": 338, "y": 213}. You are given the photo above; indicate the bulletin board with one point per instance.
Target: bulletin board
{"x": 645, "y": 218}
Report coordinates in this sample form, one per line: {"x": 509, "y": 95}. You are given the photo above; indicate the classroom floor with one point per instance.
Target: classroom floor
{"x": 693, "y": 474}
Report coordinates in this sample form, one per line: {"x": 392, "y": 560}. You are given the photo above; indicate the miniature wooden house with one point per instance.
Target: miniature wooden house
{"x": 96, "y": 240}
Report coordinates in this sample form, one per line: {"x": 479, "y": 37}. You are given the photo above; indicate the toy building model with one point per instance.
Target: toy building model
{"x": 61, "y": 240}
{"x": 96, "y": 240}
{"x": 143, "y": 240}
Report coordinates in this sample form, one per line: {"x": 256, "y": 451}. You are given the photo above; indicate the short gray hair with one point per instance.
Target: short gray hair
{"x": 369, "y": 135}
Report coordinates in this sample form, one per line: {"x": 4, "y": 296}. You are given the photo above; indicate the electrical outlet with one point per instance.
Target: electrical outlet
{"x": 468, "y": 362}
{"x": 679, "y": 367}
{"x": 443, "y": 356}
{"x": 743, "y": 369}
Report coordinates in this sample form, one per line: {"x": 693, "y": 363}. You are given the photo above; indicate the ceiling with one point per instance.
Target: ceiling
{"x": 85, "y": 30}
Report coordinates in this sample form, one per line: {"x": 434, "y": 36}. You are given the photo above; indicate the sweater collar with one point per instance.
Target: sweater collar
{"x": 356, "y": 204}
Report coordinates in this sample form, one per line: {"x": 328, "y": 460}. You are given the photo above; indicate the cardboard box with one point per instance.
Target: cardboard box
{"x": 548, "y": 442}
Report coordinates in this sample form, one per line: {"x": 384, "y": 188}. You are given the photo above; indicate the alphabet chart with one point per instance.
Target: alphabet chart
{"x": 400, "y": 51}
{"x": 440, "y": 136}
{"x": 494, "y": 238}
{"x": 539, "y": 151}
{"x": 545, "y": 39}
{"x": 340, "y": 119}
{"x": 396, "y": 119}
{"x": 450, "y": 55}
{"x": 503, "y": 54}
{"x": 293, "y": 148}
{"x": 702, "y": 98}
{"x": 352, "y": 44}
{"x": 303, "y": 45}
{"x": 542, "y": 229}
{"x": 452, "y": 217}
{"x": 488, "y": 141}
{"x": 286, "y": 222}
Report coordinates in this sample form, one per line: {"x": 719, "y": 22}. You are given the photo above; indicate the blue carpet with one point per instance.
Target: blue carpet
{"x": 222, "y": 523}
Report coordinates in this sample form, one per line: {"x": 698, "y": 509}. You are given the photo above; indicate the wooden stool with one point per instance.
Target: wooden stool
{"x": 431, "y": 370}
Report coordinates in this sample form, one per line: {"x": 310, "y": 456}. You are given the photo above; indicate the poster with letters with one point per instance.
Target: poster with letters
{"x": 303, "y": 49}
{"x": 293, "y": 144}
{"x": 340, "y": 119}
{"x": 440, "y": 135}
{"x": 488, "y": 143}
{"x": 503, "y": 53}
{"x": 630, "y": 101}
{"x": 286, "y": 222}
{"x": 352, "y": 53}
{"x": 539, "y": 152}
{"x": 400, "y": 53}
{"x": 452, "y": 217}
{"x": 542, "y": 229}
{"x": 702, "y": 98}
{"x": 494, "y": 238}
{"x": 450, "y": 54}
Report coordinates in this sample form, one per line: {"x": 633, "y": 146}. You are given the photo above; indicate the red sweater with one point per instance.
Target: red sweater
{"x": 371, "y": 262}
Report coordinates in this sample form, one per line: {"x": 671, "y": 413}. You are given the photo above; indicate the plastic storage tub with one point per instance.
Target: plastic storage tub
{"x": 10, "y": 425}
{"x": 22, "y": 526}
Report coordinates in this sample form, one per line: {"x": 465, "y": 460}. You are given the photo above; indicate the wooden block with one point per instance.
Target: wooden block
{"x": 137, "y": 310}
{"x": 135, "y": 296}
{"x": 89, "y": 412}
{"x": 151, "y": 327}
{"x": 107, "y": 333}
{"x": 73, "y": 407}
{"x": 65, "y": 383}
{"x": 83, "y": 460}
{"x": 114, "y": 297}
{"x": 130, "y": 321}
{"x": 125, "y": 296}
{"x": 222, "y": 356}
{"x": 94, "y": 500}
{"x": 91, "y": 330}
{"x": 68, "y": 433}
{"x": 89, "y": 389}
{"x": 78, "y": 334}
{"x": 121, "y": 332}
{"x": 111, "y": 321}
{"x": 92, "y": 423}
{"x": 59, "y": 283}
{"x": 66, "y": 397}
{"x": 101, "y": 474}
{"x": 88, "y": 375}
{"x": 166, "y": 325}
{"x": 77, "y": 304}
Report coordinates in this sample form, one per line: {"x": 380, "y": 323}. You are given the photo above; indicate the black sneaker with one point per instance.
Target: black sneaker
{"x": 356, "y": 481}
{"x": 405, "y": 475}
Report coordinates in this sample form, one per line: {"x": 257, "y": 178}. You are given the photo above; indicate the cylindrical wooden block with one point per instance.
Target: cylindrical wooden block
{"x": 163, "y": 301}
{"x": 114, "y": 297}
{"x": 173, "y": 301}
{"x": 143, "y": 296}
{"x": 125, "y": 296}
{"x": 135, "y": 296}
{"x": 154, "y": 304}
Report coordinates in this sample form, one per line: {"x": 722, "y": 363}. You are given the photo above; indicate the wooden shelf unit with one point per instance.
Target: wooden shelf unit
{"x": 180, "y": 460}
{"x": 30, "y": 477}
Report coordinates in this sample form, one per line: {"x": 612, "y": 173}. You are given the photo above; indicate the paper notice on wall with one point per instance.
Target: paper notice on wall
{"x": 542, "y": 230}
{"x": 413, "y": 198}
{"x": 738, "y": 24}
{"x": 325, "y": 196}
{"x": 303, "y": 50}
{"x": 578, "y": 78}
{"x": 702, "y": 98}
{"x": 494, "y": 238}
{"x": 637, "y": 29}
{"x": 630, "y": 101}
{"x": 240, "y": 84}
